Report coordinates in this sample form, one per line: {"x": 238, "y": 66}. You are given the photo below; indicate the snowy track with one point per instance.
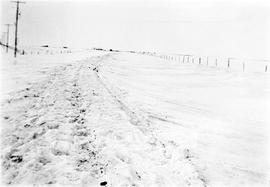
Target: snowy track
{"x": 72, "y": 129}
{"x": 81, "y": 126}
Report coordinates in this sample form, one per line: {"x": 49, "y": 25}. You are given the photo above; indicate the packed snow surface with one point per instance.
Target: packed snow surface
{"x": 122, "y": 119}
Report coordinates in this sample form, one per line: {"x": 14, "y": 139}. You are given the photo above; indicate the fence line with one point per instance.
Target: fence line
{"x": 42, "y": 50}
{"x": 229, "y": 63}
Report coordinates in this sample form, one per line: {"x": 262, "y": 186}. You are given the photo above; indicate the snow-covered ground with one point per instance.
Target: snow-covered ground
{"x": 122, "y": 119}
{"x": 17, "y": 73}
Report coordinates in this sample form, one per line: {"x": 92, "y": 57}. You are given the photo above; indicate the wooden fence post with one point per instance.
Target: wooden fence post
{"x": 265, "y": 68}
{"x": 200, "y": 60}
{"x": 228, "y": 62}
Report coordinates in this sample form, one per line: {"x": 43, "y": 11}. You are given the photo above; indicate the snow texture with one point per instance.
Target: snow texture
{"x": 122, "y": 119}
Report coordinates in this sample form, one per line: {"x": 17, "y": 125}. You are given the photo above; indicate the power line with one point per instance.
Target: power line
{"x": 16, "y": 25}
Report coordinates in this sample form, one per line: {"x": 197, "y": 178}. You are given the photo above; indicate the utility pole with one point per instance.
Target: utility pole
{"x": 7, "y": 36}
{"x": 16, "y": 25}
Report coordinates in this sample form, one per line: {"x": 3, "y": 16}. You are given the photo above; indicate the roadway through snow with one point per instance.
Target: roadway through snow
{"x": 75, "y": 128}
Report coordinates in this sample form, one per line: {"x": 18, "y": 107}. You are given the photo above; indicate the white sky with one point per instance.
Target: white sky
{"x": 222, "y": 28}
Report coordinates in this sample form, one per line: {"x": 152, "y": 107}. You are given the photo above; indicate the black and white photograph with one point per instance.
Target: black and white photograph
{"x": 135, "y": 93}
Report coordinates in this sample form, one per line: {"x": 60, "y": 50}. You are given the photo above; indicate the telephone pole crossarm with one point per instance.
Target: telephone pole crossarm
{"x": 19, "y": 2}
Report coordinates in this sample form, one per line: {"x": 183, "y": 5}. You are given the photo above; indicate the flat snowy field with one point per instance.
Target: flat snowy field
{"x": 121, "y": 119}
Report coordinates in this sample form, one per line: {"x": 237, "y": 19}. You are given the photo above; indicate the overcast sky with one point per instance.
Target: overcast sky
{"x": 223, "y": 28}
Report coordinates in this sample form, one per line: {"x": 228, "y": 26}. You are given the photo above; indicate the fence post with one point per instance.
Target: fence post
{"x": 265, "y": 68}
{"x": 192, "y": 60}
{"x": 183, "y": 59}
{"x": 228, "y": 62}
{"x": 200, "y": 60}
{"x": 216, "y": 62}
